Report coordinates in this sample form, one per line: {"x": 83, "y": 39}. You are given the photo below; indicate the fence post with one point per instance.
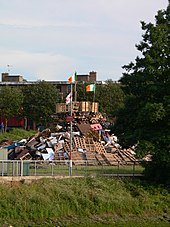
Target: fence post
{"x": 86, "y": 168}
{"x": 35, "y": 168}
{"x": 102, "y": 168}
{"x": 133, "y": 168}
{"x": 52, "y": 169}
{"x": 12, "y": 168}
{"x": 118, "y": 169}
{"x": 2, "y": 164}
{"x": 17, "y": 170}
{"x": 22, "y": 168}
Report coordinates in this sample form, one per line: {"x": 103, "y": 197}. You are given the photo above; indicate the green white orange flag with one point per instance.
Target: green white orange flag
{"x": 91, "y": 87}
{"x": 72, "y": 78}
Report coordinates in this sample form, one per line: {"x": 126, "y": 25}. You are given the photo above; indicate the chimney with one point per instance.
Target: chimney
{"x": 92, "y": 76}
{"x": 5, "y": 77}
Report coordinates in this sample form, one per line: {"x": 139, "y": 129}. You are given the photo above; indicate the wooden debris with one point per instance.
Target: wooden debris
{"x": 101, "y": 160}
{"x": 91, "y": 158}
{"x": 99, "y": 148}
{"x": 80, "y": 142}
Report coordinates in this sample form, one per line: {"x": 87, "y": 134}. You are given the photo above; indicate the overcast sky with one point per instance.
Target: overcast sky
{"x": 51, "y": 39}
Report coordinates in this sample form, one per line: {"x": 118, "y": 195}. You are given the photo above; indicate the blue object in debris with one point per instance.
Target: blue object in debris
{"x": 12, "y": 146}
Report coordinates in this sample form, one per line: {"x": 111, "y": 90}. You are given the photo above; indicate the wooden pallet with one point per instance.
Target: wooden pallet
{"x": 78, "y": 158}
{"x": 67, "y": 147}
{"x": 124, "y": 157}
{"x": 99, "y": 148}
{"x": 59, "y": 156}
{"x": 58, "y": 147}
{"x": 130, "y": 155}
{"x": 117, "y": 157}
{"x": 90, "y": 144}
{"x": 32, "y": 143}
{"x": 80, "y": 142}
{"x": 100, "y": 159}
{"x": 91, "y": 158}
{"x": 109, "y": 159}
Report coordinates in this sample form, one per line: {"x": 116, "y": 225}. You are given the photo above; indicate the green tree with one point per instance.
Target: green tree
{"x": 110, "y": 98}
{"x": 109, "y": 95}
{"x": 145, "y": 118}
{"x": 82, "y": 95}
{"x": 81, "y": 92}
{"x": 40, "y": 102}
{"x": 11, "y": 100}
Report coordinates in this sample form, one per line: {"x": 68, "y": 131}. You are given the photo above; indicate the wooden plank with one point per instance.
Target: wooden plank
{"x": 100, "y": 159}
{"x": 99, "y": 147}
{"x": 90, "y": 144}
{"x": 91, "y": 158}
{"x": 109, "y": 158}
{"x": 80, "y": 142}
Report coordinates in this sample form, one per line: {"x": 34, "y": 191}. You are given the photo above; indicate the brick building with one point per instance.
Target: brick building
{"x": 62, "y": 86}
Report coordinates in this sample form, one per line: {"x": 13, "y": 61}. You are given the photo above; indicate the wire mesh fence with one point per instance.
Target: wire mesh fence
{"x": 62, "y": 168}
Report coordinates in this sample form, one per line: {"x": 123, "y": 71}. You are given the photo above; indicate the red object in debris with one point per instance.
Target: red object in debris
{"x": 69, "y": 118}
{"x": 96, "y": 126}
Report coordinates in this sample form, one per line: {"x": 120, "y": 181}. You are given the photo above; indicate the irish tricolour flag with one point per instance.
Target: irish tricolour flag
{"x": 91, "y": 87}
{"x": 72, "y": 78}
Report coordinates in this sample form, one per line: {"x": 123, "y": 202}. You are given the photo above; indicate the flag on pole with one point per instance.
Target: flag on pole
{"x": 68, "y": 98}
{"x": 91, "y": 87}
{"x": 72, "y": 79}
{"x": 75, "y": 74}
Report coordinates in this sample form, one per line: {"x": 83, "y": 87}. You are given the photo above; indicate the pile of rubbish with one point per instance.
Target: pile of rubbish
{"x": 90, "y": 143}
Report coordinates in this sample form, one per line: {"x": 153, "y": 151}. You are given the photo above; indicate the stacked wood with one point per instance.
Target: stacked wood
{"x": 85, "y": 106}
{"x": 109, "y": 159}
{"x": 129, "y": 154}
{"x": 80, "y": 142}
{"x": 117, "y": 157}
{"x": 99, "y": 147}
{"x": 87, "y": 147}
{"x": 67, "y": 147}
{"x": 91, "y": 158}
{"x": 60, "y": 157}
{"x": 100, "y": 159}
{"x": 90, "y": 145}
{"x": 78, "y": 158}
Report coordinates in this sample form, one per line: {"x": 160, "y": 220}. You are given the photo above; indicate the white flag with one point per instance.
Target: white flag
{"x": 68, "y": 98}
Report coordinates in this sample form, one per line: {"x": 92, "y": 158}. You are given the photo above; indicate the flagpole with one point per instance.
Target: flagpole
{"x": 94, "y": 94}
{"x": 75, "y": 88}
{"x": 71, "y": 130}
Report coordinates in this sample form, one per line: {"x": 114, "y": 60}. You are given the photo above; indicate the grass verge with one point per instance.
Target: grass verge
{"x": 16, "y": 134}
{"x": 99, "y": 201}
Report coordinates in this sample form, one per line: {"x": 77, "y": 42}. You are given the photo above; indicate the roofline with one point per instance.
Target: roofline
{"x": 51, "y": 82}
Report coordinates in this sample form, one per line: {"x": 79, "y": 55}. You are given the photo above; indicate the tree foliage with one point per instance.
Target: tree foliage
{"x": 82, "y": 95}
{"x": 145, "y": 118}
{"x": 11, "y": 100}
{"x": 109, "y": 95}
{"x": 40, "y": 102}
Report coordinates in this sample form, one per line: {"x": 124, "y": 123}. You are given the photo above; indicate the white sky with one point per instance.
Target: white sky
{"x": 51, "y": 39}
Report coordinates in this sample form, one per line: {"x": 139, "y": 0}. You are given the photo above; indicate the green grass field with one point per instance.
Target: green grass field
{"x": 16, "y": 134}
{"x": 89, "y": 201}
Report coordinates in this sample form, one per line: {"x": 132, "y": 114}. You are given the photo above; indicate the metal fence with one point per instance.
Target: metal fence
{"x": 61, "y": 168}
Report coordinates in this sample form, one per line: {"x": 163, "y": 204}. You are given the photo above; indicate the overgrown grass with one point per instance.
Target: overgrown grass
{"x": 84, "y": 202}
{"x": 16, "y": 134}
